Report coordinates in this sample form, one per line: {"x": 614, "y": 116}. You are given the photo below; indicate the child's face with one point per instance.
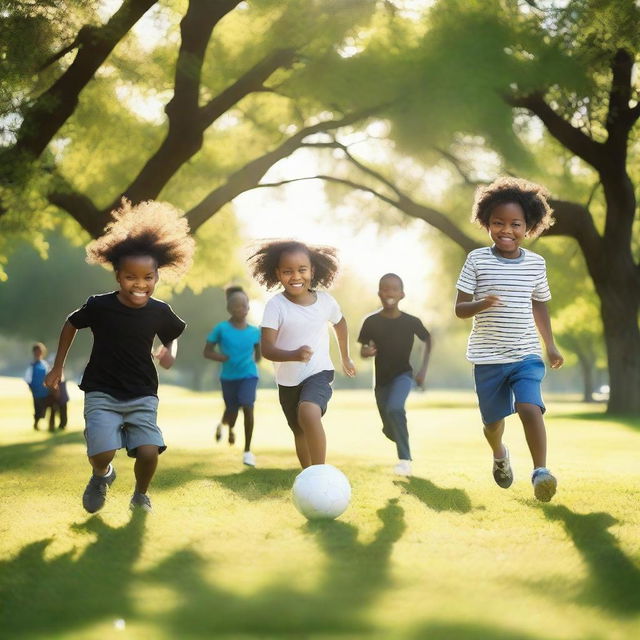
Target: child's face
{"x": 295, "y": 273}
{"x": 507, "y": 228}
{"x": 137, "y": 277}
{"x": 238, "y": 306}
{"x": 390, "y": 292}
{"x": 37, "y": 353}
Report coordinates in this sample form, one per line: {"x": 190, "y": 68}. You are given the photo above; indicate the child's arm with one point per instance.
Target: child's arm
{"x": 342, "y": 334}
{"x": 422, "y": 372}
{"x": 466, "y": 306}
{"x": 271, "y": 352}
{"x": 368, "y": 350}
{"x": 68, "y": 333}
{"x": 211, "y": 354}
{"x": 166, "y": 354}
{"x": 543, "y": 322}
{"x": 257, "y": 354}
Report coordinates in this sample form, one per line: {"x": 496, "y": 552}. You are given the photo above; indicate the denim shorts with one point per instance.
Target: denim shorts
{"x": 115, "y": 424}
{"x": 239, "y": 393}
{"x": 315, "y": 389}
{"x": 499, "y": 386}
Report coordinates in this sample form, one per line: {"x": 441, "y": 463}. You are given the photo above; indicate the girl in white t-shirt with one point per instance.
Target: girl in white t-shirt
{"x": 295, "y": 337}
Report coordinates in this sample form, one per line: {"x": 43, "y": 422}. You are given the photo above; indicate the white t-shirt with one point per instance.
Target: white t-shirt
{"x": 506, "y": 333}
{"x": 298, "y": 325}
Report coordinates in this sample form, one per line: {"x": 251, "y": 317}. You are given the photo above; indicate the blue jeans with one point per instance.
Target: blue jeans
{"x": 390, "y": 399}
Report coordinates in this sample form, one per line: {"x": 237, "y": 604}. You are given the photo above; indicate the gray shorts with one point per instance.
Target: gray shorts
{"x": 315, "y": 389}
{"x": 113, "y": 424}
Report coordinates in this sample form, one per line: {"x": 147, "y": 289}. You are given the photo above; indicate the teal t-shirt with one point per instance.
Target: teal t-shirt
{"x": 239, "y": 345}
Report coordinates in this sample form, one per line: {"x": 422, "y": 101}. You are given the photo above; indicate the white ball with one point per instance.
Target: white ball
{"x": 321, "y": 492}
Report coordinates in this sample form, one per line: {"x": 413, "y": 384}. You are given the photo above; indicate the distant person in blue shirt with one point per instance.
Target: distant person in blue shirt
{"x": 34, "y": 376}
{"x": 236, "y": 344}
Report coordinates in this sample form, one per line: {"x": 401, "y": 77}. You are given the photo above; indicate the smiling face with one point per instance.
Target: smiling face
{"x": 390, "y": 292}
{"x": 507, "y": 228}
{"x": 295, "y": 274}
{"x": 137, "y": 277}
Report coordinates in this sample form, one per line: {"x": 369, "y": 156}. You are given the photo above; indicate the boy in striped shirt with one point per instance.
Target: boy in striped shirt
{"x": 504, "y": 288}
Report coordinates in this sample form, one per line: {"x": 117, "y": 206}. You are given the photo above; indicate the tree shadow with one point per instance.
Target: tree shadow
{"x": 435, "y": 497}
{"x": 462, "y": 631}
{"x": 44, "y": 597}
{"x": 614, "y": 582}
{"x": 355, "y": 574}
{"x": 25, "y": 455}
{"x": 633, "y": 422}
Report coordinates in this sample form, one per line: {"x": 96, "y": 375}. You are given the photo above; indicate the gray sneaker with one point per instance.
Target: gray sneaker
{"x": 502, "y": 472}
{"x": 96, "y": 492}
{"x": 544, "y": 484}
{"x": 140, "y": 501}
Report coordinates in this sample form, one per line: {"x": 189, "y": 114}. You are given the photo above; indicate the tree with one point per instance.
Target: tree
{"x": 565, "y": 67}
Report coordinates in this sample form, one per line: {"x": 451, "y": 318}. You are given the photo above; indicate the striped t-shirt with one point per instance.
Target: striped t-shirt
{"x": 505, "y": 333}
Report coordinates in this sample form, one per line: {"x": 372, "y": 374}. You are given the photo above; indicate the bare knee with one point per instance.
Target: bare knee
{"x": 147, "y": 452}
{"x": 528, "y": 411}
{"x": 102, "y": 460}
{"x": 308, "y": 412}
{"x": 492, "y": 427}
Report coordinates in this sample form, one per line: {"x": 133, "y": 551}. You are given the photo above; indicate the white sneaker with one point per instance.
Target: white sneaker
{"x": 544, "y": 484}
{"x": 403, "y": 468}
{"x": 249, "y": 459}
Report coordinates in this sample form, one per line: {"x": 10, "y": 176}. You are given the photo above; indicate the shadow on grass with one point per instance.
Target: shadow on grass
{"x": 633, "y": 422}
{"x": 354, "y": 576}
{"x": 461, "y": 631}
{"x": 44, "y": 597}
{"x": 614, "y": 582}
{"x": 25, "y": 455}
{"x": 435, "y": 497}
{"x": 255, "y": 484}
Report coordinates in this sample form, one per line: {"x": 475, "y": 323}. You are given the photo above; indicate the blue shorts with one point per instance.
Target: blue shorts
{"x": 113, "y": 424}
{"x": 239, "y": 393}
{"x": 499, "y": 385}
{"x": 315, "y": 389}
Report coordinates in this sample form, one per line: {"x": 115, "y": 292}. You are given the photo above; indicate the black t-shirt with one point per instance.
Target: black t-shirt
{"x": 393, "y": 338}
{"x": 121, "y": 363}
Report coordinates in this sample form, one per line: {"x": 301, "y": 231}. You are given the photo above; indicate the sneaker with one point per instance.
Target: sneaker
{"x": 403, "y": 468}
{"x": 96, "y": 491}
{"x": 502, "y": 472}
{"x": 219, "y": 432}
{"x": 544, "y": 484}
{"x": 232, "y": 436}
{"x": 249, "y": 459}
{"x": 140, "y": 501}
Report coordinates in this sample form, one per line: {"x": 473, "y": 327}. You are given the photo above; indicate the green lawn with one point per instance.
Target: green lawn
{"x": 446, "y": 554}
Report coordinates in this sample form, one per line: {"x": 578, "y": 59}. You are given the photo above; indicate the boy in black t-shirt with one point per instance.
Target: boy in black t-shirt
{"x": 120, "y": 381}
{"x": 388, "y": 335}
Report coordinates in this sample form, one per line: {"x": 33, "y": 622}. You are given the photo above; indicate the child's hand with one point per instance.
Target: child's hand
{"x": 348, "y": 367}
{"x": 52, "y": 379}
{"x": 369, "y": 350}
{"x": 491, "y": 300}
{"x": 303, "y": 353}
{"x": 555, "y": 357}
{"x": 419, "y": 378}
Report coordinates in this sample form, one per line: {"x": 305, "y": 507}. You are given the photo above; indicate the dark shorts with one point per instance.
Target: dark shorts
{"x": 239, "y": 393}
{"x": 315, "y": 389}
{"x": 40, "y": 406}
{"x": 500, "y": 385}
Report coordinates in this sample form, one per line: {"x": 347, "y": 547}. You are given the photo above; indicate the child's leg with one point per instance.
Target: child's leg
{"x": 534, "y": 431}
{"x": 101, "y": 461}
{"x": 248, "y": 427}
{"x": 145, "y": 466}
{"x": 382, "y": 395}
{"x": 396, "y": 414}
{"x": 52, "y": 416}
{"x": 310, "y": 419}
{"x": 63, "y": 416}
{"x": 493, "y": 433}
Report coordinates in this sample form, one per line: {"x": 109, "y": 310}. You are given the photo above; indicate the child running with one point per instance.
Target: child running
{"x": 388, "y": 335}
{"x": 239, "y": 350}
{"x": 504, "y": 288}
{"x": 34, "y": 377}
{"x": 295, "y": 336}
{"x": 120, "y": 381}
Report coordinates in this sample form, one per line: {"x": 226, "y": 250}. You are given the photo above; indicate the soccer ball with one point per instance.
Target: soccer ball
{"x": 321, "y": 492}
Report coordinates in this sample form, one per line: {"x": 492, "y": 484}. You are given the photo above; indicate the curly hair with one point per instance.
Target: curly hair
{"x": 531, "y": 197}
{"x": 149, "y": 228}
{"x": 266, "y": 258}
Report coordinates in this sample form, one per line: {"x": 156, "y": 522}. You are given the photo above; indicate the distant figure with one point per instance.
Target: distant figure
{"x": 504, "y": 288}
{"x": 388, "y": 336}
{"x": 236, "y": 344}
{"x": 34, "y": 376}
{"x": 58, "y": 405}
{"x": 120, "y": 381}
{"x": 295, "y": 336}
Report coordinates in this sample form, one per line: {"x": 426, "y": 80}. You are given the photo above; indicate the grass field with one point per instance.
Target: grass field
{"x": 445, "y": 554}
